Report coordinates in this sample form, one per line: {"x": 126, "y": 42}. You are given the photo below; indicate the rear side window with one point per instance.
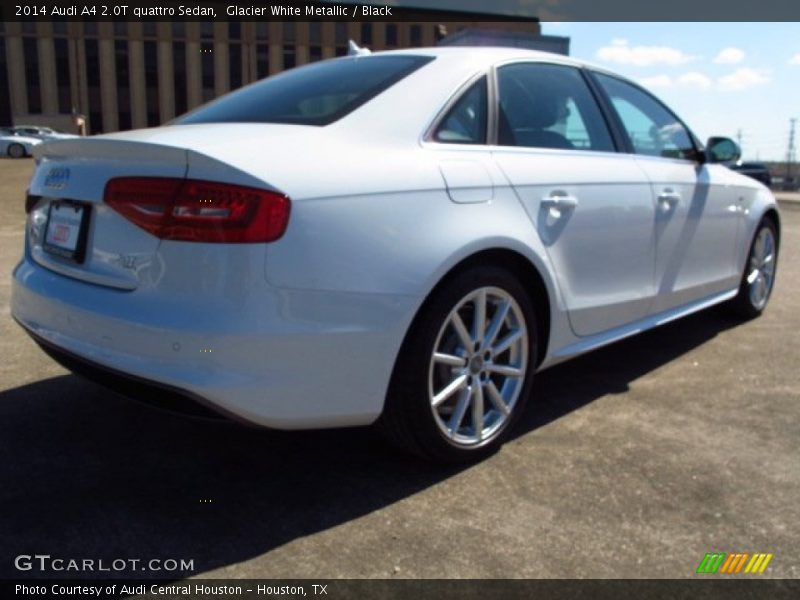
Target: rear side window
{"x": 549, "y": 106}
{"x": 466, "y": 121}
{"x": 316, "y": 94}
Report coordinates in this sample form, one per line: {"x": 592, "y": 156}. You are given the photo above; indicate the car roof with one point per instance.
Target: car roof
{"x": 490, "y": 55}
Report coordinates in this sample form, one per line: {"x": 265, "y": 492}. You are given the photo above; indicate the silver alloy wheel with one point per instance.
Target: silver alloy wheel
{"x": 478, "y": 366}
{"x": 16, "y": 151}
{"x": 761, "y": 268}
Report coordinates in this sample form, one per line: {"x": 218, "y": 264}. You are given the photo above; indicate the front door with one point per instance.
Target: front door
{"x": 592, "y": 207}
{"x": 695, "y": 215}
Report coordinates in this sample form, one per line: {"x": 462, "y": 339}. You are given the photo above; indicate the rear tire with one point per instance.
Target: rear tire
{"x": 465, "y": 369}
{"x": 758, "y": 278}
{"x": 16, "y": 150}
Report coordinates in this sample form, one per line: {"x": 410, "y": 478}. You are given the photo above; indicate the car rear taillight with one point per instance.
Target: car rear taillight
{"x": 199, "y": 211}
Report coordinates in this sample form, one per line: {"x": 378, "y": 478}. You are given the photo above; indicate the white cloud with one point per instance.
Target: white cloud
{"x": 656, "y": 81}
{"x": 742, "y": 79}
{"x": 620, "y": 51}
{"x": 795, "y": 60}
{"x": 729, "y": 56}
{"x": 695, "y": 79}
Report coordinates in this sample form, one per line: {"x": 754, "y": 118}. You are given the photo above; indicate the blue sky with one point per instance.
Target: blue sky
{"x": 719, "y": 77}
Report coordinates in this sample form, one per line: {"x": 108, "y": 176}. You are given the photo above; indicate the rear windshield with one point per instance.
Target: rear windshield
{"x": 316, "y": 94}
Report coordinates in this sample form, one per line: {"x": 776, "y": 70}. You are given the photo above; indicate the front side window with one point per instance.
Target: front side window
{"x": 549, "y": 106}
{"x": 316, "y": 94}
{"x": 465, "y": 123}
{"x": 652, "y": 129}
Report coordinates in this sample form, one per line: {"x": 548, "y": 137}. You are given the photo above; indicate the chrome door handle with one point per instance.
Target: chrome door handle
{"x": 668, "y": 198}
{"x": 559, "y": 201}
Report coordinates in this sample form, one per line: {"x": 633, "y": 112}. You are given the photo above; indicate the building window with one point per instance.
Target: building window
{"x": 262, "y": 60}
{"x": 341, "y": 39}
{"x": 93, "y": 83}
{"x": 288, "y": 56}
{"x": 315, "y": 41}
{"x": 151, "y": 82}
{"x": 178, "y": 30}
{"x": 5, "y": 101}
{"x": 234, "y": 30}
{"x": 120, "y": 28}
{"x": 179, "y": 75}
{"x": 207, "y": 30}
{"x": 289, "y": 33}
{"x": 123, "y": 84}
{"x": 235, "y": 65}
{"x": 149, "y": 29}
{"x": 31, "y": 52}
{"x": 315, "y": 32}
{"x": 90, "y": 28}
{"x": 207, "y": 65}
{"x": 60, "y": 27}
{"x": 62, "y": 75}
{"x": 262, "y": 30}
{"x": 391, "y": 35}
{"x": 415, "y": 35}
{"x": 366, "y": 33}
{"x": 29, "y": 27}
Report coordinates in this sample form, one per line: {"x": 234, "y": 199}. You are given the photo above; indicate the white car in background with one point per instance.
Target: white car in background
{"x": 404, "y": 239}
{"x": 42, "y": 133}
{"x": 17, "y": 146}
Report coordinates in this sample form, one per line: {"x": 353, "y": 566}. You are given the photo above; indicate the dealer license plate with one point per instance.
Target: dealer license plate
{"x": 66, "y": 230}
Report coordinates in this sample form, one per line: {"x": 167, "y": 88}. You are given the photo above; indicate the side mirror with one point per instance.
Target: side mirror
{"x": 722, "y": 150}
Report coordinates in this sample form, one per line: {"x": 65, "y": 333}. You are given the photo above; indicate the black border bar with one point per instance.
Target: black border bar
{"x": 432, "y": 11}
{"x": 706, "y": 588}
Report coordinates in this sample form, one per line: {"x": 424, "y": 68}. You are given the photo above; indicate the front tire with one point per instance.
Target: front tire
{"x": 758, "y": 278}
{"x": 465, "y": 369}
{"x": 16, "y": 150}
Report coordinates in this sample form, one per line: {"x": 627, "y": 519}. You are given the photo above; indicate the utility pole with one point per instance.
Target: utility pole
{"x": 790, "y": 151}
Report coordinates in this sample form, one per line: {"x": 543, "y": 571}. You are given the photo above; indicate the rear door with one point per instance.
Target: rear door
{"x": 591, "y": 206}
{"x": 696, "y": 214}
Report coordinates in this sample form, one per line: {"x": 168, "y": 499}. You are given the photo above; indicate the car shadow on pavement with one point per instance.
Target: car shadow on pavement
{"x": 89, "y": 474}
{"x": 609, "y": 370}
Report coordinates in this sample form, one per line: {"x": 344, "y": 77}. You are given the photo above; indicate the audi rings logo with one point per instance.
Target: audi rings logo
{"x": 57, "y": 178}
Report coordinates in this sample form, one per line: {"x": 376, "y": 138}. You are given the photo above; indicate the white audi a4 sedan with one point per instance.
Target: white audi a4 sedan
{"x": 402, "y": 239}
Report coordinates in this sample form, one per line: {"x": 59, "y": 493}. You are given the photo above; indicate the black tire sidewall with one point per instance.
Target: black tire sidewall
{"x": 11, "y": 152}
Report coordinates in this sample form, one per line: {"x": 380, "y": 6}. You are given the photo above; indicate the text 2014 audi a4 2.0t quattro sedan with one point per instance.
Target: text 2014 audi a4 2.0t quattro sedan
{"x": 403, "y": 238}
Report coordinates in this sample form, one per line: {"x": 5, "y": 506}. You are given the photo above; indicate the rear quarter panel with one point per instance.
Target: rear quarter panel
{"x": 395, "y": 241}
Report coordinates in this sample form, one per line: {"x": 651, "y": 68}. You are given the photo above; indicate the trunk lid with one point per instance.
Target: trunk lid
{"x": 70, "y": 179}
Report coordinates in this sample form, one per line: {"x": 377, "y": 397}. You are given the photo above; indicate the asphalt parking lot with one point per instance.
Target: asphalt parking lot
{"x": 633, "y": 461}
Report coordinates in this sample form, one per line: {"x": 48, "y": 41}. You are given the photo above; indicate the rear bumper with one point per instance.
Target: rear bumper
{"x": 152, "y": 392}
{"x": 286, "y": 359}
